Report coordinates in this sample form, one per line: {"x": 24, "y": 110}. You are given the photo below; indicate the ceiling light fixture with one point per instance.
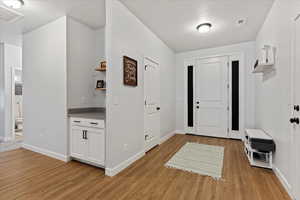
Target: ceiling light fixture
{"x": 204, "y": 28}
{"x": 16, "y": 4}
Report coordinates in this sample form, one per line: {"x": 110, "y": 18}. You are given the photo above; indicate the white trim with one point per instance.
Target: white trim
{"x": 283, "y": 181}
{"x": 182, "y": 132}
{"x": 46, "y": 152}
{"x": 13, "y": 100}
{"x": 114, "y": 171}
{"x": 166, "y": 137}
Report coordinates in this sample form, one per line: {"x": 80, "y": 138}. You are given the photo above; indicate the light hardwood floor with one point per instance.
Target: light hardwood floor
{"x": 31, "y": 176}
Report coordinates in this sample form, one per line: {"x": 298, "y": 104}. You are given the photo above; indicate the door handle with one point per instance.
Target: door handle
{"x": 295, "y": 120}
{"x": 158, "y": 108}
{"x": 83, "y": 134}
{"x": 86, "y": 135}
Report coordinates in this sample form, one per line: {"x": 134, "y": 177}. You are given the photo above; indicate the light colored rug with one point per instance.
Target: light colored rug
{"x": 199, "y": 158}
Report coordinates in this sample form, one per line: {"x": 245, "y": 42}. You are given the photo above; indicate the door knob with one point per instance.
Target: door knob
{"x": 197, "y": 107}
{"x": 295, "y": 120}
{"x": 158, "y": 108}
{"x": 297, "y": 108}
{"x": 197, "y": 102}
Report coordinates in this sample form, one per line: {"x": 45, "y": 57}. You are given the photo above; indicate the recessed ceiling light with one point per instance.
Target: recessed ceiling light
{"x": 204, "y": 28}
{"x": 16, "y": 4}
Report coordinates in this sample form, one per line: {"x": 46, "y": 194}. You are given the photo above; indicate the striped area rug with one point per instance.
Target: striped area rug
{"x": 199, "y": 158}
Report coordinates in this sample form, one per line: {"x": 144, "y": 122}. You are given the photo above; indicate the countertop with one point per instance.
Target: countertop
{"x": 88, "y": 113}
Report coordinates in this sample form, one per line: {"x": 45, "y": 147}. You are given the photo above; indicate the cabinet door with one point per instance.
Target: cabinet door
{"x": 78, "y": 143}
{"x": 96, "y": 146}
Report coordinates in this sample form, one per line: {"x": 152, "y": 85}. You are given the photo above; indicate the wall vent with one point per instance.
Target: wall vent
{"x": 8, "y": 15}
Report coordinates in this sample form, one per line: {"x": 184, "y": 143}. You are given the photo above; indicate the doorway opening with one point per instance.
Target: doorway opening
{"x": 17, "y": 104}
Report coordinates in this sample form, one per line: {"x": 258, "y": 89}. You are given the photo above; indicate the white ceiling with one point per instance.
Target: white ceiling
{"x": 175, "y": 21}
{"x": 39, "y": 12}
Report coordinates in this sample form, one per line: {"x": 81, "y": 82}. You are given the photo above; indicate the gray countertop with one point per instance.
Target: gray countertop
{"x": 87, "y": 113}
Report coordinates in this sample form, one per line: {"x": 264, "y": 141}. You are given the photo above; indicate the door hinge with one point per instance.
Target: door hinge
{"x": 145, "y": 67}
{"x": 145, "y": 102}
{"x": 227, "y": 130}
{"x": 227, "y": 64}
{"x": 228, "y": 86}
{"x": 228, "y": 108}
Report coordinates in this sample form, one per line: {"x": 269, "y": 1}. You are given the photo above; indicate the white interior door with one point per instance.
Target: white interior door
{"x": 212, "y": 97}
{"x": 296, "y": 113}
{"x": 152, "y": 104}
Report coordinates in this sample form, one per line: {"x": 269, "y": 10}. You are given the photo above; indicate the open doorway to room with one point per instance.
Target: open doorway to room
{"x": 17, "y": 104}
{"x": 11, "y": 98}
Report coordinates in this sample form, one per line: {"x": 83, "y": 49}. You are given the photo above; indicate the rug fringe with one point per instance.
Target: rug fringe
{"x": 190, "y": 171}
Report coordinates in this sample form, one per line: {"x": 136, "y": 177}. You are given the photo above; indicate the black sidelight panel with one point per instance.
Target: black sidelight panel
{"x": 190, "y": 96}
{"x": 235, "y": 95}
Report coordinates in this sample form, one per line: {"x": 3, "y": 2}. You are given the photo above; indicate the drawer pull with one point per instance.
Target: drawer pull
{"x": 94, "y": 123}
{"x": 77, "y": 121}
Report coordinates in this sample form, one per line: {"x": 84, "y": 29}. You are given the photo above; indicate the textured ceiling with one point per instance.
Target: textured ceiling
{"x": 175, "y": 21}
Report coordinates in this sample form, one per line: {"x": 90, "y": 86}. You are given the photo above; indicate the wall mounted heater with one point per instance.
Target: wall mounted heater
{"x": 8, "y": 15}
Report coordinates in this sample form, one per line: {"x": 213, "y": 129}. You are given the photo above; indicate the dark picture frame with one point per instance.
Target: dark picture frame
{"x": 130, "y": 71}
{"x": 100, "y": 84}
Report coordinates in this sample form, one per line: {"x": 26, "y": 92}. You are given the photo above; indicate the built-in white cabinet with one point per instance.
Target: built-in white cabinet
{"x": 87, "y": 140}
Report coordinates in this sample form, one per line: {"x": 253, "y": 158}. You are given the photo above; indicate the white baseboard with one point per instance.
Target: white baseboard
{"x": 46, "y": 152}
{"x": 283, "y": 181}
{"x": 166, "y": 137}
{"x": 180, "y": 132}
{"x": 114, "y": 171}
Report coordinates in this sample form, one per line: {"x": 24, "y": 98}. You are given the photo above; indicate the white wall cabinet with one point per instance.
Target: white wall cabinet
{"x": 87, "y": 141}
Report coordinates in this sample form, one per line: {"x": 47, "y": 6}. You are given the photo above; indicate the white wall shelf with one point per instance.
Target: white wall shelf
{"x": 266, "y": 60}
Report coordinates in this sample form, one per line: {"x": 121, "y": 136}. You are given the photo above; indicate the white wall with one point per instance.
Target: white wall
{"x": 129, "y": 36}
{"x": 45, "y": 91}
{"x": 10, "y": 34}
{"x": 273, "y": 93}
{"x": 11, "y": 58}
{"x": 85, "y": 51}
{"x": 81, "y": 64}
{"x": 249, "y": 52}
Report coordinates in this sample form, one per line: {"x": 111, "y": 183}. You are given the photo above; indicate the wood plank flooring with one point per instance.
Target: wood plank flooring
{"x": 31, "y": 176}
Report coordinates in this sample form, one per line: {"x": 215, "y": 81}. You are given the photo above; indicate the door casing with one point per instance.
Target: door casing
{"x": 232, "y": 57}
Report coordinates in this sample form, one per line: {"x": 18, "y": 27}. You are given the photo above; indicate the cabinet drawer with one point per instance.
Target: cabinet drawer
{"x": 87, "y": 123}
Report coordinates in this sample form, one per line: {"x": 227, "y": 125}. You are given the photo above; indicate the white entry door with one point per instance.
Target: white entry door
{"x": 152, "y": 104}
{"x": 212, "y": 97}
{"x": 296, "y": 112}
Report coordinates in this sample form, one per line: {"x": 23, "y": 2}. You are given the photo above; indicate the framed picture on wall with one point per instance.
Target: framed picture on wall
{"x": 130, "y": 71}
{"x": 100, "y": 84}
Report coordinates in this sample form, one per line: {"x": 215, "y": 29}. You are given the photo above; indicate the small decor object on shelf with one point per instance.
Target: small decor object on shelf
{"x": 103, "y": 65}
{"x": 130, "y": 71}
{"x": 100, "y": 84}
